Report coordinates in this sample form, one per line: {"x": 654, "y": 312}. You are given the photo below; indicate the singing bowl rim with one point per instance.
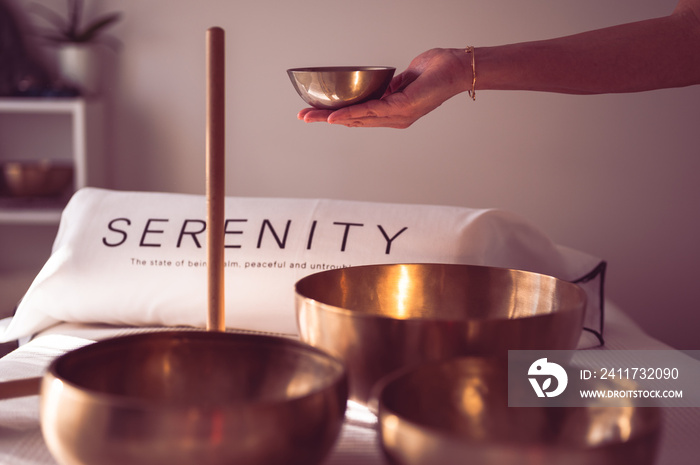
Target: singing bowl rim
{"x": 94, "y": 396}
{"x": 339, "y": 69}
{"x": 357, "y": 313}
{"x": 403, "y": 377}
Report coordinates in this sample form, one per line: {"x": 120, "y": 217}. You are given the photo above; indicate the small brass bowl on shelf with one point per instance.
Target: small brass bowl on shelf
{"x": 334, "y": 87}
{"x": 380, "y": 318}
{"x": 187, "y": 397}
{"x": 36, "y": 178}
{"x": 450, "y": 411}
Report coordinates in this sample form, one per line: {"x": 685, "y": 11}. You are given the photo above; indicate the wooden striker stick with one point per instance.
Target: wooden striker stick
{"x": 215, "y": 177}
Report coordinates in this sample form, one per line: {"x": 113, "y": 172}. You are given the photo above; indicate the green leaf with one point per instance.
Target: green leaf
{"x": 69, "y": 29}
{"x": 49, "y": 15}
{"x": 98, "y": 25}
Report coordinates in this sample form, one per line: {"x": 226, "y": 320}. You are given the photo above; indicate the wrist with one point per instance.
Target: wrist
{"x": 466, "y": 70}
{"x": 472, "y": 91}
{"x": 464, "y": 75}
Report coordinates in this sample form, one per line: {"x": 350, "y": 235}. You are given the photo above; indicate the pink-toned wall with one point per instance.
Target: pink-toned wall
{"x": 617, "y": 176}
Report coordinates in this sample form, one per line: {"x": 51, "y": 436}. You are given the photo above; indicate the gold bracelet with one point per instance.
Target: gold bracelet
{"x": 472, "y": 92}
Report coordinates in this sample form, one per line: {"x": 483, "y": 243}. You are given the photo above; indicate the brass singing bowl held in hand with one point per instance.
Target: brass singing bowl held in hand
{"x": 334, "y": 87}
{"x": 193, "y": 398}
{"x": 380, "y": 318}
{"x": 450, "y": 411}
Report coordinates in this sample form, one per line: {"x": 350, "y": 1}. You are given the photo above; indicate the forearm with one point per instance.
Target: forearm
{"x": 646, "y": 55}
{"x": 634, "y": 57}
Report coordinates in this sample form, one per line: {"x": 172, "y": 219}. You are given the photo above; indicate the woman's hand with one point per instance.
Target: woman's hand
{"x": 431, "y": 78}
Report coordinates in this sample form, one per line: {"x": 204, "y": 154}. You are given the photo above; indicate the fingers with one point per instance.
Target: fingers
{"x": 393, "y": 111}
{"x": 355, "y": 116}
{"x": 313, "y": 115}
{"x": 348, "y": 116}
{"x": 369, "y": 115}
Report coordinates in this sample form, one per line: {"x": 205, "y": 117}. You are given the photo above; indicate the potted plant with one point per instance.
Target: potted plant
{"x": 78, "y": 59}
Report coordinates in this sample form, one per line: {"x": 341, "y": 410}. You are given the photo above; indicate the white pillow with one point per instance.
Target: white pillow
{"x": 137, "y": 258}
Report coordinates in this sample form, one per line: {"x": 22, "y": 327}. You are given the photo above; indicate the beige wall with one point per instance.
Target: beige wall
{"x": 615, "y": 176}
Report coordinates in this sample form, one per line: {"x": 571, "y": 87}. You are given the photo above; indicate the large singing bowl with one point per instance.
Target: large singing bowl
{"x": 456, "y": 411}
{"x": 380, "y": 318}
{"x": 193, "y": 398}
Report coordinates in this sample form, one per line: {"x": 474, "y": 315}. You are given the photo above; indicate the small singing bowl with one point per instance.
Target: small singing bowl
{"x": 39, "y": 178}
{"x": 380, "y": 318}
{"x": 193, "y": 397}
{"x": 331, "y": 88}
{"x": 455, "y": 411}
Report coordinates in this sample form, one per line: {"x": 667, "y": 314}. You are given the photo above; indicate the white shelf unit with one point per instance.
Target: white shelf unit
{"x": 63, "y": 128}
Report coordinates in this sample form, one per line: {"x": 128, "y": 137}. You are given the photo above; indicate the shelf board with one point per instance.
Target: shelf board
{"x": 41, "y": 104}
{"x": 45, "y": 216}
{"x": 31, "y": 211}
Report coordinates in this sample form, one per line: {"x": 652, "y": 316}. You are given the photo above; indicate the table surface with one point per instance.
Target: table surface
{"x": 21, "y": 442}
